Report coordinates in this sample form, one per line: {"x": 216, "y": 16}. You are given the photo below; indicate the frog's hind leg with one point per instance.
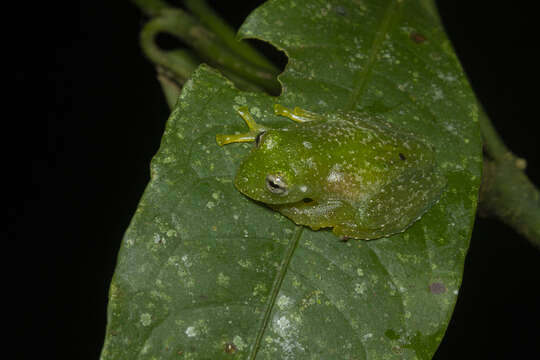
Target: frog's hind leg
{"x": 297, "y": 114}
{"x": 254, "y": 130}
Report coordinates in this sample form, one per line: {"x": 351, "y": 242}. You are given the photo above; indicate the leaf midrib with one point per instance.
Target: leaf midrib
{"x": 362, "y": 76}
{"x": 276, "y": 287}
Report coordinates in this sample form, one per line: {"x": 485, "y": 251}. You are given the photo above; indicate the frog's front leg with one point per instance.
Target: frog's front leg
{"x": 297, "y": 114}
{"x": 254, "y": 130}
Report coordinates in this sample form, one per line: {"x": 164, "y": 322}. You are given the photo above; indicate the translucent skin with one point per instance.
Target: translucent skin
{"x": 352, "y": 172}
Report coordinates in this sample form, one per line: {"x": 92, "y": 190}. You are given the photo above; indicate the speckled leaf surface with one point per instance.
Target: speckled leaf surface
{"x": 206, "y": 273}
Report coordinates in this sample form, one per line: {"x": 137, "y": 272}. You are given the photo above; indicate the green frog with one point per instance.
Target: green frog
{"x": 353, "y": 172}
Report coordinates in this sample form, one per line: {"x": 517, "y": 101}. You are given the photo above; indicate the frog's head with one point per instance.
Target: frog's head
{"x": 274, "y": 172}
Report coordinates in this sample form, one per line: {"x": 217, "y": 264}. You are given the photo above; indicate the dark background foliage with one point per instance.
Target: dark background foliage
{"x": 93, "y": 114}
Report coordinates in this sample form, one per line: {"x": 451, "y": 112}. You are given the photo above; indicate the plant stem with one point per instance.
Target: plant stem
{"x": 493, "y": 143}
{"x": 207, "y": 46}
{"x": 227, "y": 34}
{"x": 180, "y": 62}
{"x": 506, "y": 191}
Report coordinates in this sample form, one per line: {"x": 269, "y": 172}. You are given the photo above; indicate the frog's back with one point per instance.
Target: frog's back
{"x": 365, "y": 152}
{"x": 386, "y": 173}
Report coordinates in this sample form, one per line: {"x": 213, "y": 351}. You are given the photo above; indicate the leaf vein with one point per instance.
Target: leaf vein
{"x": 364, "y": 74}
{"x": 276, "y": 287}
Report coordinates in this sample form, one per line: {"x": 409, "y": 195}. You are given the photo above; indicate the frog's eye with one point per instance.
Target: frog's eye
{"x": 276, "y": 185}
{"x": 258, "y": 138}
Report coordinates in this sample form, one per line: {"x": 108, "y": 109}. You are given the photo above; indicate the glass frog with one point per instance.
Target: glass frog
{"x": 353, "y": 172}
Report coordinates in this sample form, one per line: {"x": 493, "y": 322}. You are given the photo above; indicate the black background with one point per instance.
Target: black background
{"x": 91, "y": 114}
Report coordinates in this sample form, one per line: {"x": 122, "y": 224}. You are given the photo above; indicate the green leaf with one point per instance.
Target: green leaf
{"x": 206, "y": 273}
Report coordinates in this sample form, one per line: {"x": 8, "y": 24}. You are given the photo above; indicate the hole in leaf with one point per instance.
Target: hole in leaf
{"x": 276, "y": 56}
